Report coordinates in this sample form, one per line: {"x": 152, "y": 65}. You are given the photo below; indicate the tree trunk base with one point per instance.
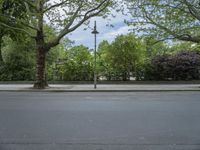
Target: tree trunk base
{"x": 40, "y": 85}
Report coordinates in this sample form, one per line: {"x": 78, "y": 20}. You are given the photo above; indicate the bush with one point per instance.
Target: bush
{"x": 184, "y": 65}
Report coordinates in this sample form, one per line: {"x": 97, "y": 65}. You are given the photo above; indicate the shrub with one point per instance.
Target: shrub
{"x": 184, "y": 65}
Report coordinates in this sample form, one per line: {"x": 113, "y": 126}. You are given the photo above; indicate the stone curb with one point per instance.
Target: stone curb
{"x": 49, "y": 91}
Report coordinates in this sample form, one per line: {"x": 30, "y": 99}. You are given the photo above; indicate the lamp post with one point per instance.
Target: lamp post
{"x": 95, "y": 32}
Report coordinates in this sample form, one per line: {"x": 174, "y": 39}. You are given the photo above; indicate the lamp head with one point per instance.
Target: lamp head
{"x": 95, "y": 29}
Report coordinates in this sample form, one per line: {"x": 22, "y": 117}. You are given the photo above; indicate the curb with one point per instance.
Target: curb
{"x": 85, "y": 91}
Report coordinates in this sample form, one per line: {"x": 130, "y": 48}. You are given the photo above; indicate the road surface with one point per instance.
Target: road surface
{"x": 100, "y": 121}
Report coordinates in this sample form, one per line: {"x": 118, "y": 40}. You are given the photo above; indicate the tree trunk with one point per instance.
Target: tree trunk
{"x": 40, "y": 69}
{"x": 124, "y": 76}
{"x": 41, "y": 82}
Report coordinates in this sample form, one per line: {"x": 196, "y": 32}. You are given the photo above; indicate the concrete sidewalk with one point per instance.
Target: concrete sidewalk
{"x": 102, "y": 88}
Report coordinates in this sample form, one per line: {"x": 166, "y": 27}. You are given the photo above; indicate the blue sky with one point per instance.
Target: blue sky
{"x": 81, "y": 36}
{"x": 84, "y": 37}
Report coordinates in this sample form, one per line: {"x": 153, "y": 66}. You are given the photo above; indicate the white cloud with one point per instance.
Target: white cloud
{"x": 81, "y": 36}
{"x": 105, "y": 32}
{"x": 112, "y": 34}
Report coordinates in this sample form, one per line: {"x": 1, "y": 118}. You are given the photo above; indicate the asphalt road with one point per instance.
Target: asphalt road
{"x": 100, "y": 121}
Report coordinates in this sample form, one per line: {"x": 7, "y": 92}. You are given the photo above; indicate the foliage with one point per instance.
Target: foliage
{"x": 18, "y": 61}
{"x": 104, "y": 67}
{"x": 56, "y": 53}
{"x": 185, "y": 65}
{"x": 167, "y": 19}
{"x": 155, "y": 47}
{"x": 19, "y": 58}
{"x": 121, "y": 56}
{"x": 184, "y": 45}
{"x": 77, "y": 64}
{"x": 12, "y": 15}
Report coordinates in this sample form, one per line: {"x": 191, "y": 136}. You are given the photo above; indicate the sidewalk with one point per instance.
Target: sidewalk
{"x": 101, "y": 88}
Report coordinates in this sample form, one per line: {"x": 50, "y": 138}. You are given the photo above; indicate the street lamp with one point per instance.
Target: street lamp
{"x": 95, "y": 32}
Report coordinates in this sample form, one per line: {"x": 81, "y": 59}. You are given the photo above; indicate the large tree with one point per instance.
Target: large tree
{"x": 64, "y": 16}
{"x": 167, "y": 19}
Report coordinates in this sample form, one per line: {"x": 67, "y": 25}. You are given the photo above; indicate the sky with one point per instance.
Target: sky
{"x": 84, "y": 37}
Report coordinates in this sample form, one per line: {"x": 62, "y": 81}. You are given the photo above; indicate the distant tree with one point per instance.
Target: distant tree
{"x": 180, "y": 46}
{"x": 19, "y": 60}
{"x": 122, "y": 56}
{"x": 77, "y": 64}
{"x": 104, "y": 67}
{"x": 126, "y": 53}
{"x": 155, "y": 47}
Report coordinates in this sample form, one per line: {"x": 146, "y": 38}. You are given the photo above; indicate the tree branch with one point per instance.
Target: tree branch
{"x": 192, "y": 10}
{"x": 16, "y": 28}
{"x": 71, "y": 21}
{"x": 54, "y": 6}
{"x": 94, "y": 9}
{"x": 19, "y": 21}
{"x": 184, "y": 37}
{"x": 30, "y": 4}
{"x": 87, "y": 15}
{"x": 164, "y": 39}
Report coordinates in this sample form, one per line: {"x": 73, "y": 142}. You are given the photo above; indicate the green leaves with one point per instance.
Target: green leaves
{"x": 168, "y": 17}
{"x": 18, "y": 60}
{"x": 77, "y": 64}
{"x": 119, "y": 59}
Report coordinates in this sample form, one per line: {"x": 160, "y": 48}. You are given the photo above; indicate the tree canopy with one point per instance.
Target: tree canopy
{"x": 12, "y": 16}
{"x": 167, "y": 19}
{"x": 119, "y": 59}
